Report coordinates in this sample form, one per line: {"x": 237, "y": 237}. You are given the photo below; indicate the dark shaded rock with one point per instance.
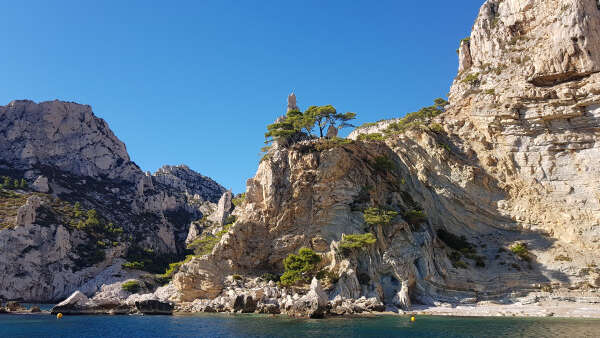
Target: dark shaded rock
{"x": 13, "y": 306}
{"x": 244, "y": 303}
{"x": 154, "y": 307}
{"x": 34, "y": 309}
{"x": 269, "y": 309}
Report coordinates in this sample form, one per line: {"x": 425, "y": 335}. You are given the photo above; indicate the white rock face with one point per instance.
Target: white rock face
{"x": 41, "y": 184}
{"x": 65, "y": 135}
{"x": 27, "y": 213}
{"x": 224, "y": 208}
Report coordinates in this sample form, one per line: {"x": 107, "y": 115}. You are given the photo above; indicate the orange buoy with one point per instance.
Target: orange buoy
{"x": 59, "y": 316}
{"x": 412, "y": 319}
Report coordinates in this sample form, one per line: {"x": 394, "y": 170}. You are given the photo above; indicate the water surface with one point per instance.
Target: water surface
{"x": 219, "y": 325}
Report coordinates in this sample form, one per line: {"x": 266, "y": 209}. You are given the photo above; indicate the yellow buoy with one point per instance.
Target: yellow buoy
{"x": 412, "y": 319}
{"x": 59, "y": 316}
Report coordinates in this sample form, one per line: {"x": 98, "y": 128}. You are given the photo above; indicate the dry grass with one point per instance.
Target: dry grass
{"x": 10, "y": 202}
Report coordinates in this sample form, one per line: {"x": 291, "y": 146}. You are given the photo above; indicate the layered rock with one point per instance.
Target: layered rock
{"x": 512, "y": 161}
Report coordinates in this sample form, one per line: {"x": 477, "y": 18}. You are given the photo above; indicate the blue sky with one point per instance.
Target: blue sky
{"x": 196, "y": 82}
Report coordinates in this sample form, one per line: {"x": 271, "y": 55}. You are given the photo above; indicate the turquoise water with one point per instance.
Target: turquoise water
{"x": 206, "y": 325}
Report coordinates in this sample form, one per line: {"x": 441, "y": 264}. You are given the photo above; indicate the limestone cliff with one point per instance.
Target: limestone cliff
{"x": 83, "y": 208}
{"x": 499, "y": 195}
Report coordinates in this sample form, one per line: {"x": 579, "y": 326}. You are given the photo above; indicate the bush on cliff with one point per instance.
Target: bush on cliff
{"x": 131, "y": 286}
{"x": 378, "y": 216}
{"x": 356, "y": 242}
{"x": 417, "y": 118}
{"x": 300, "y": 267}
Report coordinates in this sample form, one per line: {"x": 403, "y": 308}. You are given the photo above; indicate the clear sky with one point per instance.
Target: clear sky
{"x": 196, "y": 82}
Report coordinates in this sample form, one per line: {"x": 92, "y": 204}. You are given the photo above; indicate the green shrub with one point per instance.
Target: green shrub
{"x": 417, "y": 118}
{"x": 472, "y": 79}
{"x": 520, "y": 249}
{"x": 371, "y": 137}
{"x": 270, "y": 277}
{"x": 415, "y": 217}
{"x": 460, "y": 264}
{"x": 454, "y": 256}
{"x": 383, "y": 164}
{"x": 300, "y": 267}
{"x": 205, "y": 244}
{"x": 378, "y": 216}
{"x": 239, "y": 200}
{"x": 326, "y": 144}
{"x": 174, "y": 267}
{"x": 137, "y": 265}
{"x": 23, "y": 184}
{"x": 455, "y": 242}
{"x": 148, "y": 260}
{"x": 490, "y": 91}
{"x": 236, "y": 277}
{"x": 356, "y": 241}
{"x": 436, "y": 128}
{"x": 131, "y": 286}
{"x": 563, "y": 258}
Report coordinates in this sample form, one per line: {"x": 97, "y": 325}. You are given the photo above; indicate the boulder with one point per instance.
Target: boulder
{"x": 72, "y": 305}
{"x": 35, "y": 309}
{"x": 243, "y": 303}
{"x": 41, "y": 184}
{"x": 313, "y": 304}
{"x": 13, "y": 306}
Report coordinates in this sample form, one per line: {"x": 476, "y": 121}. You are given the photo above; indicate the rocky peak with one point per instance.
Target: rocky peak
{"x": 182, "y": 178}
{"x": 63, "y": 135}
{"x": 519, "y": 45}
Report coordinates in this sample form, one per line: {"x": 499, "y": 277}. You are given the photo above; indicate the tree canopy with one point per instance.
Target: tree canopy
{"x": 315, "y": 117}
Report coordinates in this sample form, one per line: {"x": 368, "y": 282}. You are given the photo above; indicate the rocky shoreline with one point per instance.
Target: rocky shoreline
{"x": 242, "y": 296}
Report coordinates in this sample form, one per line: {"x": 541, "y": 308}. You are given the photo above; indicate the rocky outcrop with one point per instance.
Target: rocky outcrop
{"x": 113, "y": 300}
{"x": 41, "y": 184}
{"x": 510, "y": 164}
{"x": 27, "y": 212}
{"x": 64, "y": 135}
{"x": 154, "y": 307}
{"x": 313, "y": 304}
{"x": 224, "y": 208}
{"x": 68, "y": 157}
{"x": 184, "y": 179}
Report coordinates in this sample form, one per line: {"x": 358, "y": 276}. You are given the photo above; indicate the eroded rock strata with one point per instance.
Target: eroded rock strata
{"x": 494, "y": 201}
{"x": 513, "y": 168}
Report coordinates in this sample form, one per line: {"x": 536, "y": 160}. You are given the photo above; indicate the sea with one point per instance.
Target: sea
{"x": 252, "y": 325}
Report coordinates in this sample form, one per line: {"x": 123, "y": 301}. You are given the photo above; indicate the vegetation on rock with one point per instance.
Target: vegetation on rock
{"x": 239, "y": 200}
{"x": 417, "y": 118}
{"x": 131, "y": 286}
{"x": 300, "y": 268}
{"x": 356, "y": 241}
{"x": 520, "y": 249}
{"x": 315, "y": 117}
{"x": 205, "y": 244}
{"x": 374, "y": 137}
{"x": 378, "y": 216}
